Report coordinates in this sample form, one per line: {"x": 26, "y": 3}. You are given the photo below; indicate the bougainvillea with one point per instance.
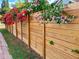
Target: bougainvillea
{"x": 14, "y": 10}
{"x": 8, "y": 19}
{"x": 22, "y": 16}
{"x": 24, "y": 12}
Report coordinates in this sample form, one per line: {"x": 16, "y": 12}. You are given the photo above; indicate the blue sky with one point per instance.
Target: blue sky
{"x": 13, "y": 1}
{"x": 65, "y": 1}
{"x": 10, "y": 2}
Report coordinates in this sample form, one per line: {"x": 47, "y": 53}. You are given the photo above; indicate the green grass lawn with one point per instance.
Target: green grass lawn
{"x": 17, "y": 48}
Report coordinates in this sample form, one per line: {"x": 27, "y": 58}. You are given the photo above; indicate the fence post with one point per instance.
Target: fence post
{"x": 12, "y": 29}
{"x": 16, "y": 29}
{"x": 29, "y": 40}
{"x": 21, "y": 31}
{"x": 6, "y": 26}
{"x": 44, "y": 42}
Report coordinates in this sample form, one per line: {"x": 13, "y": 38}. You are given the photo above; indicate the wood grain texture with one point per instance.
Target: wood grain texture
{"x": 64, "y": 36}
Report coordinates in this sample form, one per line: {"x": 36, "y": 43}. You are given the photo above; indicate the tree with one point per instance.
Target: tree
{"x": 5, "y": 6}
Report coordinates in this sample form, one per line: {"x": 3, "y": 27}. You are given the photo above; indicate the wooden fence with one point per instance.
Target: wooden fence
{"x": 37, "y": 36}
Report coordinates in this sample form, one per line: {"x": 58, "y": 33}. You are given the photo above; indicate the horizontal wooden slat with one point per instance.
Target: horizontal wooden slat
{"x": 65, "y": 37}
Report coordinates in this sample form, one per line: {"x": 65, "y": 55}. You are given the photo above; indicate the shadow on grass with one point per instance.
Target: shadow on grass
{"x": 17, "y": 48}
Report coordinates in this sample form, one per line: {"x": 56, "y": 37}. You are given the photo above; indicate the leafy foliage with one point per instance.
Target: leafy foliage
{"x": 52, "y": 10}
{"x": 40, "y": 6}
{"x": 5, "y": 9}
{"x": 75, "y": 50}
{"x": 48, "y": 11}
{"x": 51, "y": 42}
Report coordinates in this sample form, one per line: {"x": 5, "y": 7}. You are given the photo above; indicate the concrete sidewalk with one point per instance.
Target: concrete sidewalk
{"x": 4, "y": 53}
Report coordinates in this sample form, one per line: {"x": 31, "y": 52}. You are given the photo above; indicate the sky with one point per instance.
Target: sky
{"x": 10, "y": 2}
{"x": 13, "y": 1}
{"x": 65, "y": 1}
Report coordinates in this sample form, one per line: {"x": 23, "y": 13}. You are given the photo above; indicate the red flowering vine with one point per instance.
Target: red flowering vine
{"x": 14, "y": 10}
{"x": 24, "y": 12}
{"x": 22, "y": 16}
{"x": 8, "y": 19}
